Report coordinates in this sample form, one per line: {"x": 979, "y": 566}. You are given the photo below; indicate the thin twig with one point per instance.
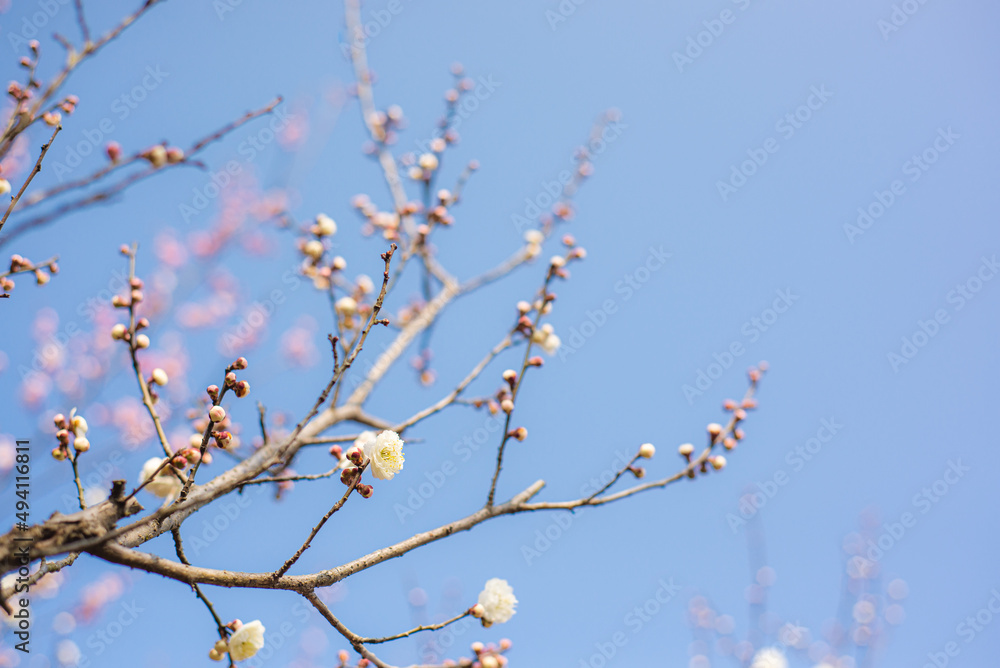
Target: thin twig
{"x": 315, "y": 530}
{"x": 37, "y": 168}
{"x": 405, "y": 634}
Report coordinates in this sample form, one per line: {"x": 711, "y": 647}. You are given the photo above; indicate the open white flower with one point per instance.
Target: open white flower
{"x": 247, "y": 641}
{"x": 385, "y": 452}
{"x": 551, "y": 344}
{"x": 165, "y": 484}
{"x": 497, "y": 599}
{"x": 769, "y": 657}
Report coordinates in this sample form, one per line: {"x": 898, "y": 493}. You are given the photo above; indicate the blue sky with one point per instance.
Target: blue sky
{"x": 884, "y": 351}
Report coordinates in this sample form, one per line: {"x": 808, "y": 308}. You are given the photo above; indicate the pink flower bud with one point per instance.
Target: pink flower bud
{"x": 217, "y": 414}
{"x": 686, "y": 449}
{"x": 240, "y": 363}
{"x": 477, "y": 611}
{"x": 114, "y": 151}
{"x": 520, "y": 433}
{"x": 507, "y": 405}
{"x": 242, "y": 389}
{"x": 714, "y": 429}
{"x": 336, "y": 451}
{"x": 60, "y": 420}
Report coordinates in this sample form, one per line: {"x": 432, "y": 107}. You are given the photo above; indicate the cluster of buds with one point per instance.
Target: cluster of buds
{"x": 313, "y": 249}
{"x": 384, "y": 126}
{"x": 160, "y": 155}
{"x": 385, "y": 221}
{"x": 351, "y": 462}
{"x": 18, "y": 92}
{"x": 120, "y": 333}
{"x": 76, "y": 427}
{"x": 344, "y": 657}
{"x": 158, "y": 378}
{"x": 421, "y": 363}
{"x": 189, "y": 455}
{"x": 488, "y": 655}
{"x": 20, "y": 265}
{"x": 646, "y": 451}
{"x": 427, "y": 163}
{"x": 68, "y": 105}
{"x": 545, "y": 337}
{"x": 557, "y": 264}
{"x": 438, "y": 213}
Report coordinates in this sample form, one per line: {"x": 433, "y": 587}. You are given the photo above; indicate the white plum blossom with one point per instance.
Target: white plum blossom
{"x": 385, "y": 452}
{"x": 497, "y": 599}
{"x": 551, "y": 344}
{"x": 165, "y": 484}
{"x": 769, "y": 657}
{"x": 247, "y": 641}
